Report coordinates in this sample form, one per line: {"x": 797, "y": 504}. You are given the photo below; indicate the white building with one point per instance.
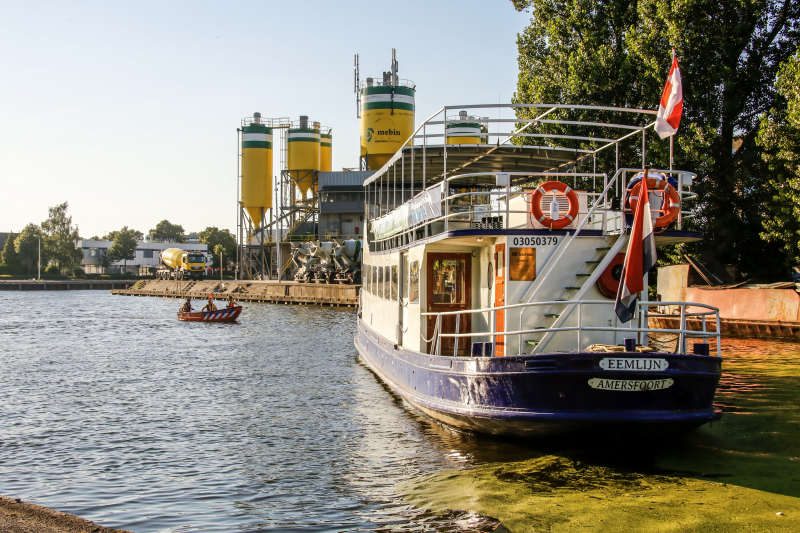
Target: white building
{"x": 143, "y": 264}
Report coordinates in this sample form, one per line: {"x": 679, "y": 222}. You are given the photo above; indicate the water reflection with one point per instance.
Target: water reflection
{"x": 113, "y": 410}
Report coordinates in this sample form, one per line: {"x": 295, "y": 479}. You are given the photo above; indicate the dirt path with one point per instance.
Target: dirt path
{"x": 22, "y": 517}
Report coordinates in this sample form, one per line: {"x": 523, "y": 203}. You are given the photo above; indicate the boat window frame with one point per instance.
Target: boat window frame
{"x": 380, "y": 281}
{"x": 404, "y": 290}
{"x": 386, "y": 282}
{"x": 394, "y": 282}
{"x": 413, "y": 297}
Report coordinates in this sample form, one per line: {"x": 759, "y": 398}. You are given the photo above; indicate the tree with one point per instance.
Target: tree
{"x": 779, "y": 136}
{"x": 27, "y": 246}
{"x": 9, "y": 257}
{"x": 61, "y": 238}
{"x": 168, "y": 232}
{"x": 213, "y": 237}
{"x": 112, "y": 235}
{"x": 124, "y": 246}
{"x": 616, "y": 52}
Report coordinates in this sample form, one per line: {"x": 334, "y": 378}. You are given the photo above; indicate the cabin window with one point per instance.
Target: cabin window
{"x": 448, "y": 279}
{"x": 380, "y": 281}
{"x": 395, "y": 280}
{"x": 386, "y": 275}
{"x": 500, "y": 261}
{"x": 374, "y": 275}
{"x": 405, "y": 277}
{"x": 365, "y": 277}
{"x": 414, "y": 282}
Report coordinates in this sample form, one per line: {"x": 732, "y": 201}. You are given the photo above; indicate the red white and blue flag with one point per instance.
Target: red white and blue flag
{"x": 640, "y": 258}
{"x": 670, "y": 108}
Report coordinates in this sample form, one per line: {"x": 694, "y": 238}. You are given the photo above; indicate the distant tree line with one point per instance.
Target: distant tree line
{"x": 740, "y": 130}
{"x": 56, "y": 239}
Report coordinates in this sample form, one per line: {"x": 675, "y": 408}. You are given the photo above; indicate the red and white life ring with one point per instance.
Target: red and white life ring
{"x": 536, "y": 204}
{"x": 671, "y": 204}
{"x": 608, "y": 282}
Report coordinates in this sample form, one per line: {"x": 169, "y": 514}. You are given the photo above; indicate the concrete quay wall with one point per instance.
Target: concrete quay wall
{"x": 287, "y": 292}
{"x": 67, "y": 285}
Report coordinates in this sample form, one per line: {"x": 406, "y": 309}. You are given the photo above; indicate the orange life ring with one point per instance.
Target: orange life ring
{"x": 536, "y": 204}
{"x": 608, "y": 282}
{"x": 670, "y": 195}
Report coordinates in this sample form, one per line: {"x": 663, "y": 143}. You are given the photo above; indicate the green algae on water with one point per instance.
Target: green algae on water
{"x": 734, "y": 475}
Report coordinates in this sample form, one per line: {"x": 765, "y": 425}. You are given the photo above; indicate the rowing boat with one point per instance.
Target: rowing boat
{"x": 227, "y": 314}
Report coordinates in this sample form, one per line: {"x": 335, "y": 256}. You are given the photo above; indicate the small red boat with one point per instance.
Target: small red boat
{"x": 226, "y": 314}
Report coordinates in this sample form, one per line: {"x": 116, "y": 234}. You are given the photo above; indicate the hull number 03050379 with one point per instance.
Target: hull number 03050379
{"x": 535, "y": 241}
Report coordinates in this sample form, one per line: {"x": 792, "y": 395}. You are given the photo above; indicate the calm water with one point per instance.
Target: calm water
{"x": 113, "y": 410}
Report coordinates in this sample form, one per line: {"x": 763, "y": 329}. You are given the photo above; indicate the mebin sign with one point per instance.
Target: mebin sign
{"x": 385, "y": 134}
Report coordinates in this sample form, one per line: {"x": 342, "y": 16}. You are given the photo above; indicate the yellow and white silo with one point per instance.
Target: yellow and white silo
{"x": 387, "y": 120}
{"x": 325, "y": 152}
{"x": 256, "y": 169}
{"x": 469, "y": 132}
{"x": 303, "y": 159}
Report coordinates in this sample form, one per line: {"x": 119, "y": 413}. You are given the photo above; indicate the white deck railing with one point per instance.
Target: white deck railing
{"x": 599, "y": 216}
{"x": 641, "y": 330}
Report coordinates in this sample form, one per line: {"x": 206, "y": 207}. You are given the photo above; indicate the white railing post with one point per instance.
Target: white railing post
{"x": 580, "y": 327}
{"x": 681, "y": 348}
{"x": 494, "y": 330}
{"x": 508, "y": 198}
{"x": 438, "y": 334}
{"x": 455, "y": 344}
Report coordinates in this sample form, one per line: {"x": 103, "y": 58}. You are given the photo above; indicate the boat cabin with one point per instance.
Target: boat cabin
{"x": 511, "y": 242}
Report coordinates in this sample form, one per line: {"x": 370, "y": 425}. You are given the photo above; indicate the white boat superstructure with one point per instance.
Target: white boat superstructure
{"x": 460, "y": 264}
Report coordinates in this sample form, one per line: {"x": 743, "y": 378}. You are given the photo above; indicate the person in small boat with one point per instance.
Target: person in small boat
{"x": 231, "y": 303}
{"x": 210, "y": 305}
{"x": 187, "y": 307}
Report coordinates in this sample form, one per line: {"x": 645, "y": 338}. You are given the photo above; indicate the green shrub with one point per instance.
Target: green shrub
{"x": 79, "y": 273}
{"x": 52, "y": 269}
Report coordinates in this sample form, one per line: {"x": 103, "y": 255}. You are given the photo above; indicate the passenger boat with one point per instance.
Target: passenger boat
{"x": 226, "y": 314}
{"x": 490, "y": 273}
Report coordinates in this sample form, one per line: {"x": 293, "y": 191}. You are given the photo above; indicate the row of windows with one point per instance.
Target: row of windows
{"x": 386, "y": 281}
{"x": 97, "y": 252}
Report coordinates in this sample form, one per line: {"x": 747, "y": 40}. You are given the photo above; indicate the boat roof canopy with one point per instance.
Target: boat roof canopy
{"x": 536, "y": 144}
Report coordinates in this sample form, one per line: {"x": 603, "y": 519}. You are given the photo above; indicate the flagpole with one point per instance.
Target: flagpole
{"x": 671, "y": 137}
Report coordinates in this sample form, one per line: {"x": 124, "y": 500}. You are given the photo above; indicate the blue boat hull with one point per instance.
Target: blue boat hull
{"x": 546, "y": 393}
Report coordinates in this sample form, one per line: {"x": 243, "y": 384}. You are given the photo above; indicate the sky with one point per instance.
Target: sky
{"x": 129, "y": 110}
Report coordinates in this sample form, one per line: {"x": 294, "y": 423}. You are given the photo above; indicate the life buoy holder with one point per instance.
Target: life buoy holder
{"x": 536, "y": 204}
{"x": 671, "y": 202}
{"x": 608, "y": 282}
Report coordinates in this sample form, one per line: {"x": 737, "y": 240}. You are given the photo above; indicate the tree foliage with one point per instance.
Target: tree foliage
{"x": 27, "y": 246}
{"x": 779, "y": 136}
{"x": 61, "y": 238}
{"x": 215, "y": 237}
{"x": 166, "y": 231}
{"x": 9, "y": 256}
{"x": 124, "y": 246}
{"x": 617, "y": 52}
{"x": 112, "y": 235}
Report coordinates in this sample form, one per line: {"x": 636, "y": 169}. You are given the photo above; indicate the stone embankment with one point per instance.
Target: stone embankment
{"x": 64, "y": 285}
{"x": 287, "y": 292}
{"x": 17, "y": 516}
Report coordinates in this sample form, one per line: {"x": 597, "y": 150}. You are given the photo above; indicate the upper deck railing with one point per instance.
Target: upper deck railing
{"x": 457, "y": 183}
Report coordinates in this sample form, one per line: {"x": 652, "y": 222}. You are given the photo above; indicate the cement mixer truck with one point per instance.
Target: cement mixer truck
{"x": 180, "y": 264}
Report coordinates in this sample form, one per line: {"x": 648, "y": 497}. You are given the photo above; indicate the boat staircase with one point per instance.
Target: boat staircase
{"x": 559, "y": 282}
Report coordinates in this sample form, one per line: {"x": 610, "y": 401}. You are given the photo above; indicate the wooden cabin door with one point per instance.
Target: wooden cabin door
{"x": 449, "y": 284}
{"x": 500, "y": 297}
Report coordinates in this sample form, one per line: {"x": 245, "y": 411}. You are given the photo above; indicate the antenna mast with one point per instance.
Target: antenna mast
{"x": 358, "y": 93}
{"x": 394, "y": 68}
